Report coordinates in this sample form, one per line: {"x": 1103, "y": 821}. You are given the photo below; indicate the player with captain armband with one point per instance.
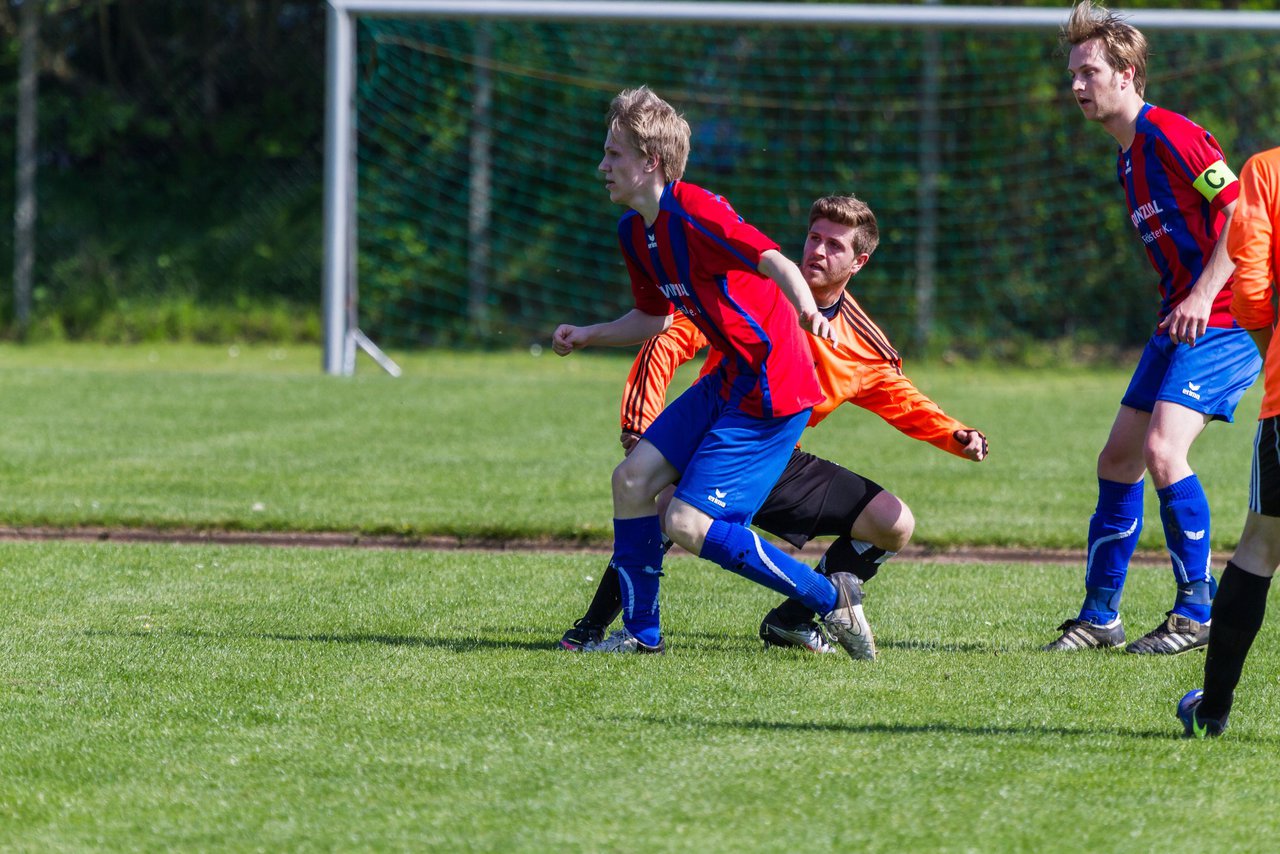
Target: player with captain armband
{"x": 1197, "y": 364}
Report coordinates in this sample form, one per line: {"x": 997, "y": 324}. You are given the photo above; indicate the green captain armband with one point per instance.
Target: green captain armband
{"x": 1213, "y": 179}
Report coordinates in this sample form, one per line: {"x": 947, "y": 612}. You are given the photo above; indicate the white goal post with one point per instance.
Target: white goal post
{"x": 342, "y": 334}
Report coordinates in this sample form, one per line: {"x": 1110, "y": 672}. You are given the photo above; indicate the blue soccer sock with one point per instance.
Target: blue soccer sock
{"x": 1113, "y": 537}
{"x": 1184, "y": 509}
{"x": 738, "y": 549}
{"x": 637, "y": 555}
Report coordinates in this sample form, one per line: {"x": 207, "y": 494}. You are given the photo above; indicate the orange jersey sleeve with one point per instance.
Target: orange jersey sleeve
{"x": 1252, "y": 243}
{"x": 645, "y": 393}
{"x": 866, "y": 371}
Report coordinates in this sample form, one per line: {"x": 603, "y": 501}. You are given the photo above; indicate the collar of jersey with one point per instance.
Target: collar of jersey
{"x": 832, "y": 310}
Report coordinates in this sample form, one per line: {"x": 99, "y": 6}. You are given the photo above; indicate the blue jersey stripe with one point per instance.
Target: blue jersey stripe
{"x": 1145, "y": 125}
{"x": 746, "y": 262}
{"x": 702, "y": 258}
{"x": 1181, "y": 269}
{"x": 670, "y": 203}
{"x": 626, "y": 229}
{"x": 679, "y": 247}
{"x": 748, "y": 379}
{"x": 1206, "y": 208}
{"x": 1190, "y": 255}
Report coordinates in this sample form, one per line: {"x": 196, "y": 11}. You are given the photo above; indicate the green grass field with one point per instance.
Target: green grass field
{"x": 165, "y": 697}
{"x": 508, "y": 446}
{"x": 188, "y": 698}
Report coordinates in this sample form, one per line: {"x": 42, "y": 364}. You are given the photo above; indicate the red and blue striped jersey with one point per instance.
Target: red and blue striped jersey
{"x": 700, "y": 258}
{"x": 1176, "y": 182}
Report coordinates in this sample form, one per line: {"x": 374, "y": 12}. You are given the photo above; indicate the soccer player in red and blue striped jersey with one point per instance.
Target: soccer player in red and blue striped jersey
{"x": 1198, "y": 363}
{"x": 1177, "y": 185}
{"x": 729, "y": 437}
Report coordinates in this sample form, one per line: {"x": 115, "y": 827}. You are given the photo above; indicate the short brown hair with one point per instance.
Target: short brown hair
{"x": 853, "y": 212}
{"x": 654, "y": 127}
{"x": 1125, "y": 45}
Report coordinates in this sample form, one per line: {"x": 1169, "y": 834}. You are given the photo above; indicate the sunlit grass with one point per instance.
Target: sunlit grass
{"x": 507, "y": 445}
{"x": 164, "y": 697}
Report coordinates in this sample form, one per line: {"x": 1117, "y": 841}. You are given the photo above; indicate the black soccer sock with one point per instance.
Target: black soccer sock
{"x": 1237, "y": 615}
{"x": 607, "y": 603}
{"x": 857, "y": 556}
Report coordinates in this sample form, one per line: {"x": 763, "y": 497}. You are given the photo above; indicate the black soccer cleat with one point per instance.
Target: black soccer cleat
{"x": 1176, "y": 635}
{"x": 1080, "y": 634}
{"x": 582, "y": 634}
{"x": 806, "y": 635}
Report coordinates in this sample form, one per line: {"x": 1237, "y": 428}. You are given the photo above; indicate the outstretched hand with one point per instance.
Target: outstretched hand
{"x": 975, "y": 444}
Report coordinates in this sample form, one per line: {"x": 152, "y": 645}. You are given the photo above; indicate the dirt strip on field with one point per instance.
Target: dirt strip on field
{"x": 322, "y": 539}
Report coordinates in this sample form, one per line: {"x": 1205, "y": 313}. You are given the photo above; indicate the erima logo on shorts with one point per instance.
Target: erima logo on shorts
{"x": 1192, "y": 390}
{"x": 718, "y": 498}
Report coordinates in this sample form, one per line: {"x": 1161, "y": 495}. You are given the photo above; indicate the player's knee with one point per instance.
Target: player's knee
{"x": 630, "y": 481}
{"x": 686, "y": 525}
{"x": 886, "y": 522}
{"x": 1163, "y": 458}
{"x": 678, "y": 522}
{"x": 1259, "y": 548}
{"x": 622, "y": 482}
{"x": 1120, "y": 466}
{"x": 898, "y": 532}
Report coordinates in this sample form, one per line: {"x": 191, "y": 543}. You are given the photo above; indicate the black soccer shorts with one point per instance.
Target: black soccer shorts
{"x": 1264, "y": 481}
{"x": 814, "y": 498}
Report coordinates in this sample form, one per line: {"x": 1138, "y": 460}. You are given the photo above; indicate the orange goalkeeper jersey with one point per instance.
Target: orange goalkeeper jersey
{"x": 1252, "y": 240}
{"x": 862, "y": 369}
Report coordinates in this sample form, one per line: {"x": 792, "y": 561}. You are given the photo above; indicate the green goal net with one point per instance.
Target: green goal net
{"x": 482, "y": 220}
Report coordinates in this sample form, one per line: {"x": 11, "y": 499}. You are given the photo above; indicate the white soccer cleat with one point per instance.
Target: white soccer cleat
{"x": 846, "y": 622}
{"x": 623, "y": 641}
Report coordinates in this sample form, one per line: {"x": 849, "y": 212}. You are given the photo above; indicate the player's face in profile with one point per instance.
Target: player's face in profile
{"x": 1095, "y": 85}
{"x": 624, "y": 168}
{"x": 829, "y": 258}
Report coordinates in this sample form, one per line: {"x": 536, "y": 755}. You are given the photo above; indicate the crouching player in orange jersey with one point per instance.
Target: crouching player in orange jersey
{"x": 813, "y": 497}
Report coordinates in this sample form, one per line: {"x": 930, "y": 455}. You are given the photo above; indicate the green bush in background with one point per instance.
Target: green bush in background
{"x": 181, "y": 151}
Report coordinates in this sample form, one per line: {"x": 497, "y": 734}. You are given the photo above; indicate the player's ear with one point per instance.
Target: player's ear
{"x": 1127, "y": 75}
{"x": 651, "y": 163}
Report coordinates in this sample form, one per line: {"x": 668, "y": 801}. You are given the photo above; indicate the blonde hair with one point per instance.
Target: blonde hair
{"x": 654, "y": 127}
{"x": 853, "y": 212}
{"x": 1124, "y": 44}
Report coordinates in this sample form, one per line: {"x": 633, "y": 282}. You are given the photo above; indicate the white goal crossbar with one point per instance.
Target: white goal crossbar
{"x": 341, "y": 329}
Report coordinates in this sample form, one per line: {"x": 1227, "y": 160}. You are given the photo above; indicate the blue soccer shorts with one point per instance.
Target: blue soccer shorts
{"x": 727, "y": 460}
{"x": 1210, "y": 377}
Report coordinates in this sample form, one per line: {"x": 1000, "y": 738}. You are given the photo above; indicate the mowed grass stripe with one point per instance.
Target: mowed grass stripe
{"x": 300, "y": 699}
{"x": 509, "y": 445}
